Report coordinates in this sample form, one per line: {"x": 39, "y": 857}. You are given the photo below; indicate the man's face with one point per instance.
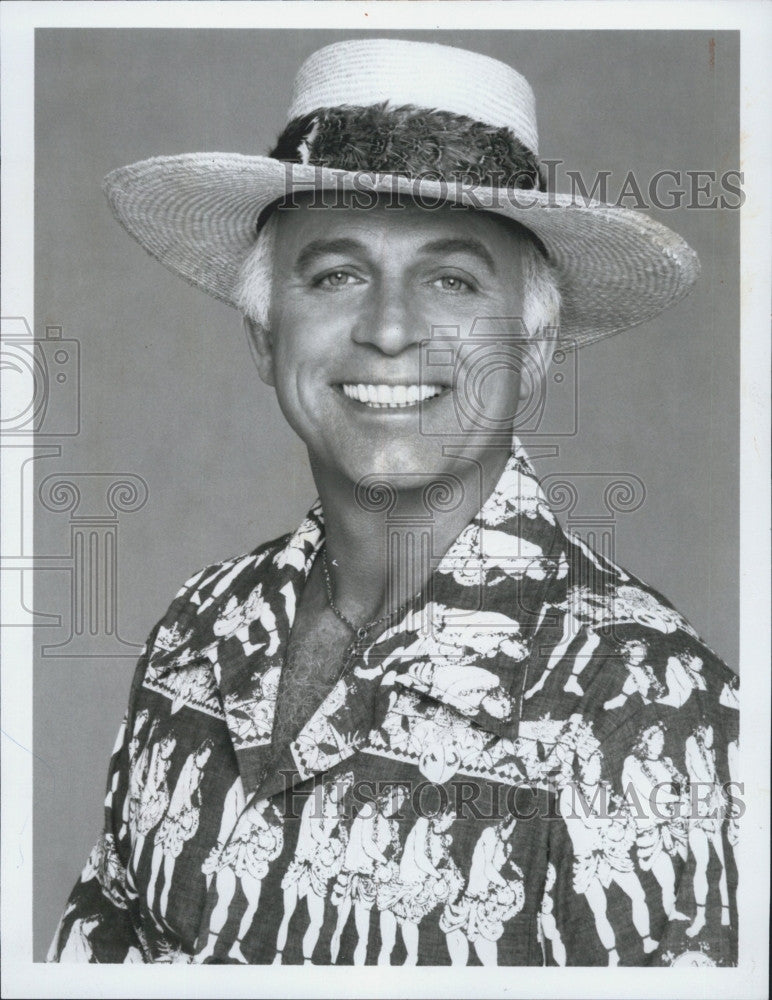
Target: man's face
{"x": 357, "y": 294}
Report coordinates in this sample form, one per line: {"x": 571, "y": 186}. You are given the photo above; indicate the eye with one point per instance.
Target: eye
{"x": 335, "y": 279}
{"x": 452, "y": 283}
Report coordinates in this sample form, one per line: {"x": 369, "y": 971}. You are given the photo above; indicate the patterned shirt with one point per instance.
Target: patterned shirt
{"x": 535, "y": 765}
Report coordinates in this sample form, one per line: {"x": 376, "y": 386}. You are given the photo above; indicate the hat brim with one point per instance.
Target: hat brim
{"x": 197, "y": 214}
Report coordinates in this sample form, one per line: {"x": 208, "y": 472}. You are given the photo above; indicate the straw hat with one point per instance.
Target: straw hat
{"x": 425, "y": 120}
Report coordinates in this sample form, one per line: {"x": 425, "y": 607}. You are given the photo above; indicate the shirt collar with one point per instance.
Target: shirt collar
{"x": 466, "y": 645}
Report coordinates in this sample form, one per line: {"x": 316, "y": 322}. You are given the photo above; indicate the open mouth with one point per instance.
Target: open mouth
{"x": 391, "y": 397}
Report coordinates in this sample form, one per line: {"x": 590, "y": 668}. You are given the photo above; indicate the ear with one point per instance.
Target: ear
{"x": 261, "y": 349}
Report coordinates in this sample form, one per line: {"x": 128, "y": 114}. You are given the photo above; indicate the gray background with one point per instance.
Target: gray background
{"x": 168, "y": 391}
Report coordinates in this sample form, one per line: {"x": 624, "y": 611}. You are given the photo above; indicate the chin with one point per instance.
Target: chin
{"x": 403, "y": 464}
{"x": 419, "y": 460}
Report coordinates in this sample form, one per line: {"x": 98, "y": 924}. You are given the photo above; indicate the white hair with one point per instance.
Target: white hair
{"x": 541, "y": 294}
{"x": 252, "y": 294}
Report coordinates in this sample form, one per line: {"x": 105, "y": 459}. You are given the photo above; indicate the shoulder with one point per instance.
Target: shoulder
{"x": 619, "y": 653}
{"x": 652, "y": 672}
{"x": 623, "y": 609}
{"x": 190, "y": 622}
{"x": 639, "y": 626}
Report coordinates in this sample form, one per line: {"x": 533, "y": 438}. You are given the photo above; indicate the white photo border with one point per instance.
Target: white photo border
{"x": 23, "y": 978}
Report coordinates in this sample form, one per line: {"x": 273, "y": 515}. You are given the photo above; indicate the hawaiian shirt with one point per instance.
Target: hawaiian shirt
{"x": 535, "y": 765}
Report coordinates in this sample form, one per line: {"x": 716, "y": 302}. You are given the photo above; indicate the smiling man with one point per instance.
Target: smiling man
{"x": 429, "y": 638}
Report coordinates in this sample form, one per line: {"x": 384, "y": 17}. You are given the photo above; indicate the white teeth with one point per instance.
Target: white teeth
{"x": 390, "y": 396}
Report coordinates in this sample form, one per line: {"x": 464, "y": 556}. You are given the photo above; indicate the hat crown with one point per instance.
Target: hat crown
{"x": 369, "y": 71}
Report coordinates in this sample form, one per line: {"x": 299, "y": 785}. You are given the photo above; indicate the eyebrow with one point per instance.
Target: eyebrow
{"x": 461, "y": 244}
{"x": 317, "y": 249}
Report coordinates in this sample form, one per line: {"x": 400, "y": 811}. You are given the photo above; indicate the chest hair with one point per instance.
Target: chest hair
{"x": 316, "y": 655}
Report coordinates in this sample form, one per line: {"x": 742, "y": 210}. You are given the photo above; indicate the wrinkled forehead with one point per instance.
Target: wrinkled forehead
{"x": 396, "y": 214}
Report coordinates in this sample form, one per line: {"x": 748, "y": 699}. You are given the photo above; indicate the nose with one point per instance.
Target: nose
{"x": 387, "y": 320}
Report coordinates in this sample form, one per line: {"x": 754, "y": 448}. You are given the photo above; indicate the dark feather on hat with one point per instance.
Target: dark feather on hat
{"x": 411, "y": 141}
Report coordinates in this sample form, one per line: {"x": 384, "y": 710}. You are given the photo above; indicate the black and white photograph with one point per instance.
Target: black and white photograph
{"x": 385, "y": 445}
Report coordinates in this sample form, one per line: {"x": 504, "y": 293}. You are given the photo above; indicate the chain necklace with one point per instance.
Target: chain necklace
{"x": 360, "y": 631}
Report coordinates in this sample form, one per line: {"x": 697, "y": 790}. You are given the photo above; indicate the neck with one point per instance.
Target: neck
{"x": 382, "y": 549}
